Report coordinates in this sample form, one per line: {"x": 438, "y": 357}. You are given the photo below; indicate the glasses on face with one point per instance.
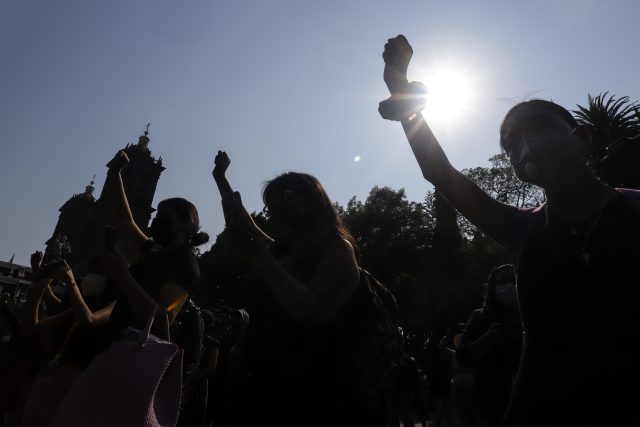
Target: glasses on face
{"x": 520, "y": 148}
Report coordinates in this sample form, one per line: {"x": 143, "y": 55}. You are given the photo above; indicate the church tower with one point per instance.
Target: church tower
{"x": 73, "y": 235}
{"x": 80, "y": 231}
{"x": 140, "y": 178}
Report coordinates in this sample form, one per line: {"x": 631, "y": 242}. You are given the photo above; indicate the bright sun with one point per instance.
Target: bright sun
{"x": 451, "y": 94}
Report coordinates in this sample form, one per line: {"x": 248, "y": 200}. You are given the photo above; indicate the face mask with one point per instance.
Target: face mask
{"x": 161, "y": 231}
{"x": 93, "y": 285}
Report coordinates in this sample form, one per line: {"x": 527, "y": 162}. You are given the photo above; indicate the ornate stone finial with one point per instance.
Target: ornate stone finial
{"x": 143, "y": 140}
{"x": 88, "y": 191}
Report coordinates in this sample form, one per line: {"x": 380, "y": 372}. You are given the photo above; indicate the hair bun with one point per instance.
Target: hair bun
{"x": 199, "y": 238}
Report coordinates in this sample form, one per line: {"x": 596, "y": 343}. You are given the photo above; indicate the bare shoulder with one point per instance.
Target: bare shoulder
{"x": 341, "y": 248}
{"x": 339, "y": 262}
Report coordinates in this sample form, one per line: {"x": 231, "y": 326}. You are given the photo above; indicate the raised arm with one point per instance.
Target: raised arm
{"x": 85, "y": 317}
{"x": 32, "y": 324}
{"x": 496, "y": 219}
{"x": 233, "y": 210}
{"x": 221, "y": 164}
{"x": 171, "y": 296}
{"x": 36, "y": 265}
{"x": 128, "y": 231}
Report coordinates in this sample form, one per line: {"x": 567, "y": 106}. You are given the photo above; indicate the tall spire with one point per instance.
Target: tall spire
{"x": 143, "y": 141}
{"x": 88, "y": 191}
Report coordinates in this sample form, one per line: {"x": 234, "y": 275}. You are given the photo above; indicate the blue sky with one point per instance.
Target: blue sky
{"x": 279, "y": 85}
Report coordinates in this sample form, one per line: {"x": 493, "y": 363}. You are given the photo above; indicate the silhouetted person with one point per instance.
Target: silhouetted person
{"x": 575, "y": 257}
{"x": 408, "y": 390}
{"x": 491, "y": 343}
{"x": 303, "y": 307}
{"x": 438, "y": 370}
{"x": 164, "y": 268}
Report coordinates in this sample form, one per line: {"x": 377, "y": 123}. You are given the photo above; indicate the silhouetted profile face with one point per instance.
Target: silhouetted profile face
{"x": 165, "y": 225}
{"x": 282, "y": 219}
{"x": 296, "y": 204}
{"x": 174, "y": 217}
{"x": 542, "y": 142}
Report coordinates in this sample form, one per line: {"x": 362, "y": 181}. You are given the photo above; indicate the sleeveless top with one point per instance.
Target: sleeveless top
{"x": 578, "y": 294}
{"x": 178, "y": 266}
{"x": 295, "y": 375}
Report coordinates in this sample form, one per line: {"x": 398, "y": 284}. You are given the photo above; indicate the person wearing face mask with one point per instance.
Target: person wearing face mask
{"x": 491, "y": 342}
{"x": 164, "y": 268}
{"x": 575, "y": 257}
{"x": 308, "y": 307}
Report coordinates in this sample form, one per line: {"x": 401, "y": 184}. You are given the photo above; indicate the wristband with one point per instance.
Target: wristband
{"x": 405, "y": 105}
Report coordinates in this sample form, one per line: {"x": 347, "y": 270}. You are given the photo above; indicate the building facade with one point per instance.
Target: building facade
{"x": 79, "y": 235}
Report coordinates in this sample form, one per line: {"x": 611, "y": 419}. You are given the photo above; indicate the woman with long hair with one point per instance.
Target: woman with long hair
{"x": 308, "y": 275}
{"x": 574, "y": 256}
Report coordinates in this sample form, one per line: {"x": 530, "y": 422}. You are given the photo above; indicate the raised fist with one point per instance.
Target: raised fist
{"x": 36, "y": 261}
{"x": 397, "y": 54}
{"x": 221, "y": 163}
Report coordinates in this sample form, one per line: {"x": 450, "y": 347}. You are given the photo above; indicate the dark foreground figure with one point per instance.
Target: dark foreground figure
{"x": 575, "y": 258}
{"x": 320, "y": 345}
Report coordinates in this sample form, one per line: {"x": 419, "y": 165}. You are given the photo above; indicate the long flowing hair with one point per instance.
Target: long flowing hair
{"x": 300, "y": 201}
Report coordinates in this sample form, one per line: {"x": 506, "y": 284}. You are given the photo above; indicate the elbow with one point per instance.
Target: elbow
{"x": 439, "y": 175}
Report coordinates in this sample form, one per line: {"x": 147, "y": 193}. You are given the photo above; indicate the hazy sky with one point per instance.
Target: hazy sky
{"x": 279, "y": 85}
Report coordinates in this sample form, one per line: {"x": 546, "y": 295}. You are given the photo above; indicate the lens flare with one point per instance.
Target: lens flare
{"x": 451, "y": 94}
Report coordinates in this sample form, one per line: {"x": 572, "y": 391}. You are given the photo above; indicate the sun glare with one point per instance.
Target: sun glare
{"x": 450, "y": 94}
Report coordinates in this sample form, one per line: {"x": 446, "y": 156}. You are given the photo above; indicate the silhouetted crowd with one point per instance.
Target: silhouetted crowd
{"x": 318, "y": 342}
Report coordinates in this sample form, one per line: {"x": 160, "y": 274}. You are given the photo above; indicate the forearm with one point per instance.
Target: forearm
{"x": 233, "y": 210}
{"x": 223, "y": 185}
{"x": 141, "y": 303}
{"x": 432, "y": 160}
{"x": 298, "y": 300}
{"x": 51, "y": 297}
{"x": 30, "y": 317}
{"x": 118, "y": 203}
{"x": 226, "y": 194}
{"x": 81, "y": 311}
